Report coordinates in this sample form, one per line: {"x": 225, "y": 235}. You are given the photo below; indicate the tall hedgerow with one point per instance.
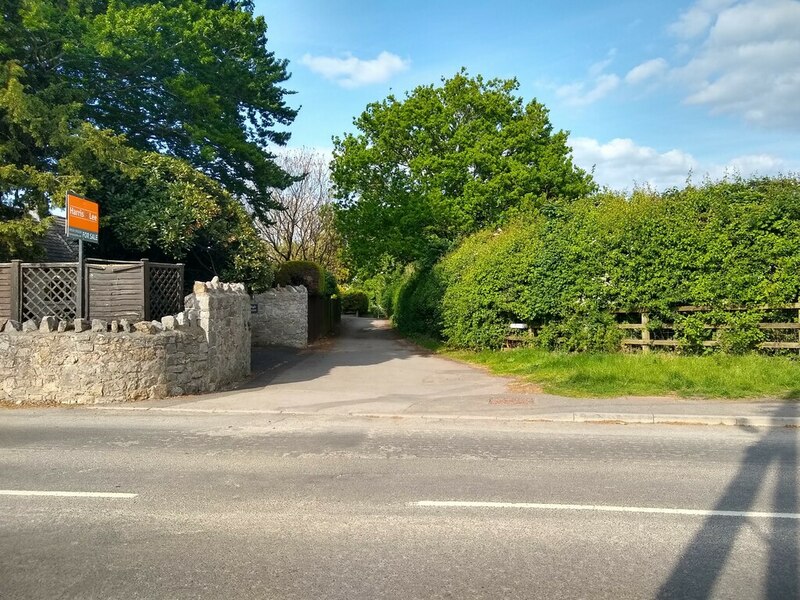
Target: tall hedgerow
{"x": 722, "y": 244}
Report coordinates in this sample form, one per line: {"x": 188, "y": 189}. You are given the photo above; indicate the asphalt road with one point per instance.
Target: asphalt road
{"x": 248, "y": 506}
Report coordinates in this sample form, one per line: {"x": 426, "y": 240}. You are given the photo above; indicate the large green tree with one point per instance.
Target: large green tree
{"x": 188, "y": 78}
{"x": 84, "y": 80}
{"x": 424, "y": 171}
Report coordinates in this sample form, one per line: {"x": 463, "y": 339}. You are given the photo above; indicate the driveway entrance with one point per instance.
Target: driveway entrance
{"x": 367, "y": 369}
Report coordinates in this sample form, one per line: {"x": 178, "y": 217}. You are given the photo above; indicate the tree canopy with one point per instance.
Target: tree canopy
{"x": 186, "y": 90}
{"x": 424, "y": 171}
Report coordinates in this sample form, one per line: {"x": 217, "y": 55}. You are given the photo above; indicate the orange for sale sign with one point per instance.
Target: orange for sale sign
{"x": 83, "y": 218}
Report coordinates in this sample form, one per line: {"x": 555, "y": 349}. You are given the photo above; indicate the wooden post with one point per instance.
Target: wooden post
{"x": 645, "y": 333}
{"x": 15, "y": 311}
{"x": 79, "y": 314}
{"x": 181, "y": 266}
{"x": 146, "y": 288}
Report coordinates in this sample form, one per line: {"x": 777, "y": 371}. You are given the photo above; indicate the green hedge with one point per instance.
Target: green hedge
{"x": 354, "y": 301}
{"x": 303, "y": 272}
{"x": 417, "y": 302}
{"x": 718, "y": 244}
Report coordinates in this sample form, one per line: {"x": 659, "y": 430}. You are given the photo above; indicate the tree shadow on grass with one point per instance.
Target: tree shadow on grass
{"x": 704, "y": 559}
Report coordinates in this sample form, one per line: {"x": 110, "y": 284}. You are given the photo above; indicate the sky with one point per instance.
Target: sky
{"x": 652, "y": 93}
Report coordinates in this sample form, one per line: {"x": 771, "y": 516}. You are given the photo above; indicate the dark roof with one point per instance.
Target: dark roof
{"x": 57, "y": 247}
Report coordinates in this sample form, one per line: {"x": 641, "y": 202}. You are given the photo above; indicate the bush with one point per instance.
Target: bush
{"x": 417, "y": 303}
{"x": 742, "y": 333}
{"x": 302, "y": 272}
{"x": 729, "y": 243}
{"x": 354, "y": 301}
{"x": 331, "y": 285}
{"x": 587, "y": 331}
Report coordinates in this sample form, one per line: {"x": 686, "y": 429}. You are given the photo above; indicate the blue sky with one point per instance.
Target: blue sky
{"x": 648, "y": 90}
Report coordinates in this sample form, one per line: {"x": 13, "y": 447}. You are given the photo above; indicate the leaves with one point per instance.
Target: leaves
{"x": 724, "y": 244}
{"x": 162, "y": 112}
{"x": 444, "y": 162}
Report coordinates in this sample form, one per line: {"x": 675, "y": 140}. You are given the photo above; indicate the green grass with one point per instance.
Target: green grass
{"x": 654, "y": 374}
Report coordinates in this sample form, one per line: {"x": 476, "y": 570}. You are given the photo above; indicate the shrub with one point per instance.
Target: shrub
{"x": 729, "y": 243}
{"x": 302, "y": 272}
{"x": 742, "y": 333}
{"x": 355, "y": 301}
{"x": 417, "y": 303}
{"x": 331, "y": 285}
{"x": 583, "y": 331}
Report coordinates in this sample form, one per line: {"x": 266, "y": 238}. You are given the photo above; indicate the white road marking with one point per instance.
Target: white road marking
{"x": 601, "y": 508}
{"x": 67, "y": 494}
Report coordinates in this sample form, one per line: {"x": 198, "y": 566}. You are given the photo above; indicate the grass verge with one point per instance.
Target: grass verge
{"x": 654, "y": 374}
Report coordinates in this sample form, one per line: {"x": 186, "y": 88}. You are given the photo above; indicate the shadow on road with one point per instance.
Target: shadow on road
{"x": 362, "y": 341}
{"x": 704, "y": 559}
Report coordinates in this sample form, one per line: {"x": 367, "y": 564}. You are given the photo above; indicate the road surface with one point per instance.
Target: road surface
{"x": 261, "y": 506}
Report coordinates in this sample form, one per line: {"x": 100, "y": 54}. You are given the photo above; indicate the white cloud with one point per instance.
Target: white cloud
{"x": 696, "y": 20}
{"x": 747, "y": 63}
{"x": 351, "y": 72}
{"x": 599, "y": 67}
{"x": 750, "y": 164}
{"x": 647, "y": 70}
{"x": 598, "y": 85}
{"x": 621, "y": 164}
{"x": 582, "y": 94}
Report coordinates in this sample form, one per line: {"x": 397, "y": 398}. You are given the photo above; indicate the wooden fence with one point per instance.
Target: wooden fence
{"x": 781, "y": 334}
{"x": 324, "y": 317}
{"x": 120, "y": 290}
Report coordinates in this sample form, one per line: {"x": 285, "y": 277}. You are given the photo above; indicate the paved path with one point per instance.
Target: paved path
{"x": 370, "y": 371}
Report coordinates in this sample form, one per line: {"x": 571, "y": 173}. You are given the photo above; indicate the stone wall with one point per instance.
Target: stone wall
{"x": 281, "y": 317}
{"x": 202, "y": 349}
{"x": 225, "y": 317}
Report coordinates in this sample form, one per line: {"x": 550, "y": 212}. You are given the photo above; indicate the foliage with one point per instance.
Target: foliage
{"x": 161, "y": 112}
{"x": 192, "y": 79}
{"x": 589, "y": 331}
{"x": 691, "y": 331}
{"x": 381, "y": 289}
{"x": 417, "y": 303}
{"x": 426, "y": 170}
{"x": 613, "y": 375}
{"x": 488, "y": 285}
{"x": 355, "y": 301}
{"x": 160, "y": 207}
{"x": 19, "y": 238}
{"x": 303, "y": 272}
{"x": 742, "y": 333}
{"x": 723, "y": 244}
{"x": 331, "y": 284}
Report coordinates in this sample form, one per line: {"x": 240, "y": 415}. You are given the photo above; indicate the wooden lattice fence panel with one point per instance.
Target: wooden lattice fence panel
{"x": 166, "y": 289}
{"x": 49, "y": 289}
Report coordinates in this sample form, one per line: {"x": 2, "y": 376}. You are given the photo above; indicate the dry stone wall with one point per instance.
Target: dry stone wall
{"x": 280, "y": 317}
{"x": 202, "y": 349}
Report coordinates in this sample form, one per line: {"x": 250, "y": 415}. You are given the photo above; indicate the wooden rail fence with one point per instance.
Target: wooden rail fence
{"x": 785, "y": 334}
{"x": 135, "y": 291}
{"x": 664, "y": 335}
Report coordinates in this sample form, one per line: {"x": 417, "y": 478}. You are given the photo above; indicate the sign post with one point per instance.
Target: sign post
{"x": 83, "y": 223}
